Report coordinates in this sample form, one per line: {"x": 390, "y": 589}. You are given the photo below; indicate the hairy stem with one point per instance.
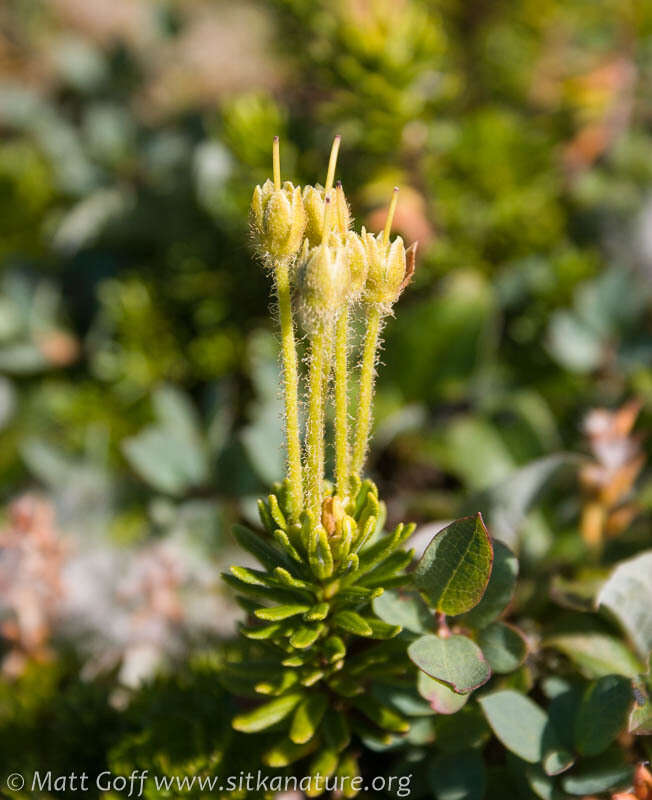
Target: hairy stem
{"x": 341, "y": 405}
{"x": 291, "y": 389}
{"x": 367, "y": 375}
{"x": 315, "y": 430}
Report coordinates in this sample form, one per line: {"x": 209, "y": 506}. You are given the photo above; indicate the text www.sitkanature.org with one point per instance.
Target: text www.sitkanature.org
{"x": 134, "y": 785}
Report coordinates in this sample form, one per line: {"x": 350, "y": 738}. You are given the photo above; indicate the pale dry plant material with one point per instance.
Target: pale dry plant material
{"x": 608, "y": 481}
{"x": 32, "y": 557}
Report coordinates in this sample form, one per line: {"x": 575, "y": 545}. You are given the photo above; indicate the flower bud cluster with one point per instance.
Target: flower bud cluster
{"x": 310, "y": 229}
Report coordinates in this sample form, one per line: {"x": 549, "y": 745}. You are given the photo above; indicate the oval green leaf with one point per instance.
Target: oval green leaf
{"x": 596, "y": 654}
{"x": 503, "y": 646}
{"x": 454, "y": 570}
{"x": 607, "y": 772}
{"x": 602, "y": 714}
{"x": 499, "y": 592}
{"x": 407, "y": 610}
{"x": 524, "y": 728}
{"x": 456, "y": 661}
{"x": 442, "y": 699}
{"x": 627, "y": 595}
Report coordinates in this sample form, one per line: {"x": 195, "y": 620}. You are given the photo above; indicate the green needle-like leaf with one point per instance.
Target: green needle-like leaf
{"x": 268, "y": 555}
{"x": 381, "y": 715}
{"x": 268, "y": 714}
{"x": 307, "y": 718}
{"x": 353, "y": 623}
{"x": 305, "y": 636}
{"x": 287, "y": 752}
{"x": 280, "y": 612}
{"x": 335, "y": 730}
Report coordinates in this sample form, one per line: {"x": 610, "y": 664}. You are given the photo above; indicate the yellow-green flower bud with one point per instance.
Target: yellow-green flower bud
{"x": 342, "y": 211}
{"x": 358, "y": 264}
{"x": 314, "y": 204}
{"x": 387, "y": 269}
{"x": 323, "y": 283}
{"x": 278, "y": 220}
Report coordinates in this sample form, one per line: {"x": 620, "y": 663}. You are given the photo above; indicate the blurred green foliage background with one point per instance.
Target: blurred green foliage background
{"x": 138, "y": 383}
{"x": 132, "y": 133}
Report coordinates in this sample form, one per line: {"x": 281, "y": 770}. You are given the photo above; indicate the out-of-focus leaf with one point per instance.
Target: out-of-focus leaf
{"x": 7, "y": 401}
{"x": 404, "y": 699}
{"x": 22, "y": 358}
{"x": 466, "y": 729}
{"x": 381, "y": 715}
{"x": 286, "y": 752}
{"x": 596, "y": 654}
{"x": 606, "y": 772}
{"x": 602, "y": 714}
{"x": 603, "y": 311}
{"x": 627, "y": 595}
{"x": 573, "y": 343}
{"x": 213, "y": 166}
{"x": 86, "y": 220}
{"x": 268, "y": 714}
{"x": 577, "y": 595}
{"x": 458, "y": 776}
{"x": 220, "y": 417}
{"x": 81, "y": 63}
{"x": 532, "y": 777}
{"x": 524, "y": 728}
{"x": 49, "y": 464}
{"x": 443, "y": 330}
{"x": 476, "y": 452}
{"x": 176, "y": 413}
{"x": 170, "y": 455}
{"x": 263, "y": 438}
{"x": 507, "y": 504}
